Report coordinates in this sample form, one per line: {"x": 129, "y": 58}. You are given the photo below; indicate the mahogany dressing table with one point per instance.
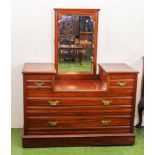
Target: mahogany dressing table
{"x": 67, "y": 103}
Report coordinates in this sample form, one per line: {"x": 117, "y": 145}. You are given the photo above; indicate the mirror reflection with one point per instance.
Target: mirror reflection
{"x": 75, "y": 44}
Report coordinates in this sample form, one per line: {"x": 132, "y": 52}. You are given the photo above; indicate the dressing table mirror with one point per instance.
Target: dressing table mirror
{"x": 76, "y": 41}
{"x": 66, "y": 103}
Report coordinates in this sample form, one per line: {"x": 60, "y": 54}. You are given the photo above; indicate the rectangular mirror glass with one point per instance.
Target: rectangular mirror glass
{"x": 75, "y": 44}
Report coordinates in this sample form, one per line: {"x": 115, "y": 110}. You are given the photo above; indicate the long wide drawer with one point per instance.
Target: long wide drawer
{"x": 55, "y": 101}
{"x": 79, "y": 110}
{"x": 78, "y": 121}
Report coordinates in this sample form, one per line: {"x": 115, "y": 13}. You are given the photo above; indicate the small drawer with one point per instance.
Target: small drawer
{"x": 59, "y": 122}
{"x": 122, "y": 83}
{"x": 39, "y": 82}
{"x": 39, "y": 85}
{"x": 121, "y": 86}
{"x": 62, "y": 102}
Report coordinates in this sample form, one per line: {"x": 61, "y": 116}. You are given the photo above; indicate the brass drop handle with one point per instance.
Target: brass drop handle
{"x": 104, "y": 102}
{"x": 39, "y": 84}
{"x": 106, "y": 122}
{"x": 53, "y": 124}
{"x": 54, "y": 102}
{"x": 122, "y": 84}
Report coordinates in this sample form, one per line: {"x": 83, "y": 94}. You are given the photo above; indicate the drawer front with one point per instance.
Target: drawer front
{"x": 39, "y": 85}
{"x": 122, "y": 83}
{"x": 78, "y": 122}
{"x": 78, "y": 111}
{"x": 55, "y": 101}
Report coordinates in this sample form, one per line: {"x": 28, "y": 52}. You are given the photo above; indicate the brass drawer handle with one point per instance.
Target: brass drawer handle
{"x": 54, "y": 102}
{"x": 106, "y": 122}
{"x": 122, "y": 84}
{"x": 53, "y": 123}
{"x": 104, "y": 102}
{"x": 39, "y": 84}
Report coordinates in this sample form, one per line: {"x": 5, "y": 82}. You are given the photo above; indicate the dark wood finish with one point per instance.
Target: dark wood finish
{"x": 98, "y": 111}
{"x": 78, "y": 140}
{"x": 78, "y": 108}
{"x": 87, "y": 12}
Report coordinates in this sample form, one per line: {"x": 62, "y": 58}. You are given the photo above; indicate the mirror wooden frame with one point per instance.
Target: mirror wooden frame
{"x": 88, "y": 12}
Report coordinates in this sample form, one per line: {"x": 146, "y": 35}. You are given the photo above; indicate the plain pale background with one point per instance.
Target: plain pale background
{"x": 120, "y": 38}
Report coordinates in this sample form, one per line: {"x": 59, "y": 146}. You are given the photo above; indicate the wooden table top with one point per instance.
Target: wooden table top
{"x": 39, "y": 68}
{"x": 117, "y": 68}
